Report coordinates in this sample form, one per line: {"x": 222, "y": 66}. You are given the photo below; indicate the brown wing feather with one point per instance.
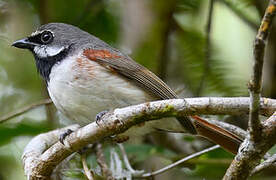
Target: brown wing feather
{"x": 129, "y": 68}
{"x": 143, "y": 77}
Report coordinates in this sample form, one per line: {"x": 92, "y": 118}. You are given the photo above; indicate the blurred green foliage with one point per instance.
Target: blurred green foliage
{"x": 173, "y": 30}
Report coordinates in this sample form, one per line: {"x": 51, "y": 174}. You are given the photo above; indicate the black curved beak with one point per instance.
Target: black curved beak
{"x": 24, "y": 44}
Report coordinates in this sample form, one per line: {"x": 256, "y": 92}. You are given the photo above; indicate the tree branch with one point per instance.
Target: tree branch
{"x": 232, "y": 128}
{"x": 256, "y": 81}
{"x": 40, "y": 161}
{"x": 234, "y": 105}
{"x": 87, "y": 171}
{"x": 266, "y": 164}
{"x": 36, "y": 148}
{"x": 262, "y": 136}
{"x": 250, "y": 152}
{"x": 25, "y": 109}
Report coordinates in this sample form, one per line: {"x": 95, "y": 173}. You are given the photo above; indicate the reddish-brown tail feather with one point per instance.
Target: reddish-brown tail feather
{"x": 218, "y": 135}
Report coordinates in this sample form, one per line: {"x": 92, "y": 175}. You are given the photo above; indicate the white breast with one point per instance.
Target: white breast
{"x": 81, "y": 88}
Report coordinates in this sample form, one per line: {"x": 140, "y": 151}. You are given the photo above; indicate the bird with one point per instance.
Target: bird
{"x": 85, "y": 77}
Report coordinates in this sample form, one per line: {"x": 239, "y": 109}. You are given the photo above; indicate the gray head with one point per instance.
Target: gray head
{"x": 52, "y": 42}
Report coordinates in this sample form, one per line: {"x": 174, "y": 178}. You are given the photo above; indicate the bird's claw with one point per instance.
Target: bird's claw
{"x": 99, "y": 116}
{"x": 64, "y": 135}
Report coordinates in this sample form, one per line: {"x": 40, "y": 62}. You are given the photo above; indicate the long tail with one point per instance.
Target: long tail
{"x": 218, "y": 135}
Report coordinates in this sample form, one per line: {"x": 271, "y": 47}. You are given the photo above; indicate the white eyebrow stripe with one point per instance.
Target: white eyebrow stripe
{"x": 39, "y": 32}
{"x": 36, "y": 33}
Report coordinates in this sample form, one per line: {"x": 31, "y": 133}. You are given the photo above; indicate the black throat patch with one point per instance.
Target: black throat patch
{"x": 44, "y": 65}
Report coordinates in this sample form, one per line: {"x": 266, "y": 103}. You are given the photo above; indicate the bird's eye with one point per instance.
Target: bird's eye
{"x": 46, "y": 37}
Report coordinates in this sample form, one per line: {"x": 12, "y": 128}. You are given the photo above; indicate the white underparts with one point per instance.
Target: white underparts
{"x": 81, "y": 88}
{"x": 44, "y": 51}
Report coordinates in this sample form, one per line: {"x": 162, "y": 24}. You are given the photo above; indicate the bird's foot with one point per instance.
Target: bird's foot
{"x": 99, "y": 116}
{"x": 64, "y": 135}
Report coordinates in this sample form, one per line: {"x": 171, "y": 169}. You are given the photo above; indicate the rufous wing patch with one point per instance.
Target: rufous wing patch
{"x": 97, "y": 54}
{"x": 94, "y": 54}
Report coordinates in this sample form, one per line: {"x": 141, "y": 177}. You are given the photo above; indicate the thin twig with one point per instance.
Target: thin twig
{"x": 125, "y": 158}
{"x": 266, "y": 164}
{"x": 255, "y": 83}
{"x": 232, "y": 128}
{"x": 87, "y": 171}
{"x": 102, "y": 163}
{"x": 207, "y": 48}
{"x": 207, "y": 161}
{"x": 179, "y": 162}
{"x": 24, "y": 109}
{"x": 127, "y": 163}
